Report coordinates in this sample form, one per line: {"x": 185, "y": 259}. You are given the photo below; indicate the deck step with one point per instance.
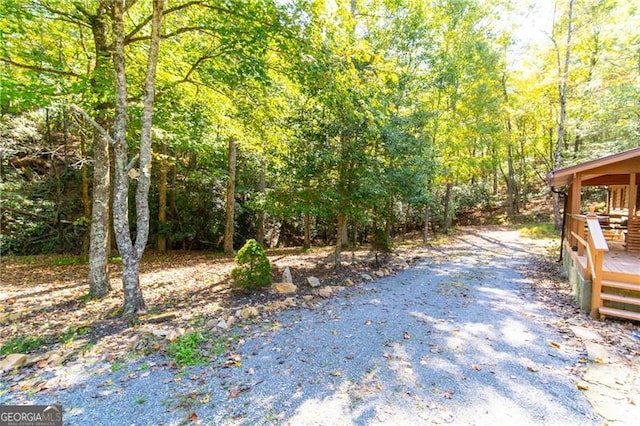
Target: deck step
{"x": 619, "y": 313}
{"x": 620, "y": 299}
{"x": 618, "y": 284}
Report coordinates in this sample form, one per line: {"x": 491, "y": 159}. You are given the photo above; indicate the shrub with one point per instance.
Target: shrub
{"x": 380, "y": 243}
{"x": 252, "y": 270}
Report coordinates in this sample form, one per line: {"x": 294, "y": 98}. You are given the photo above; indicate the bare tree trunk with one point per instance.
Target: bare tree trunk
{"x": 230, "y": 205}
{"x": 425, "y": 231}
{"x": 130, "y": 252}
{"x": 161, "y": 243}
{"x": 341, "y": 226}
{"x": 447, "y": 207}
{"x": 261, "y": 189}
{"x": 563, "y": 79}
{"x": 99, "y": 284}
{"x": 307, "y": 231}
{"x": 84, "y": 184}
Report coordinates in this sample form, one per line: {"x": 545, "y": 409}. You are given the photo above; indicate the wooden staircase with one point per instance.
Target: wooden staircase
{"x": 623, "y": 292}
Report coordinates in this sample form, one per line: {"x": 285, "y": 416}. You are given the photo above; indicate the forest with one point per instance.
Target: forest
{"x": 198, "y": 125}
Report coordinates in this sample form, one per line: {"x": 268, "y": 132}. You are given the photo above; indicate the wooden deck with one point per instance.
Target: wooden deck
{"x": 617, "y": 260}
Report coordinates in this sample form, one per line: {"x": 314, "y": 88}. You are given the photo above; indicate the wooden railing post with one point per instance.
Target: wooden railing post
{"x": 597, "y": 248}
{"x": 579, "y": 225}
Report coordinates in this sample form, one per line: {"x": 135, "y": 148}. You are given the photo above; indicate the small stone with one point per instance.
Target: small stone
{"x": 284, "y": 288}
{"x": 347, "y": 282}
{"x": 222, "y": 324}
{"x": 13, "y": 361}
{"x": 160, "y": 332}
{"x": 379, "y": 273}
{"x": 307, "y": 297}
{"x": 366, "y": 276}
{"x": 231, "y": 320}
{"x": 286, "y": 276}
{"x": 325, "y": 292}
{"x": 313, "y": 281}
{"x": 290, "y": 302}
{"x": 249, "y": 312}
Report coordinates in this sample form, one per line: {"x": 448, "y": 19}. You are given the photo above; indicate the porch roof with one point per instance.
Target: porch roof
{"x": 610, "y": 170}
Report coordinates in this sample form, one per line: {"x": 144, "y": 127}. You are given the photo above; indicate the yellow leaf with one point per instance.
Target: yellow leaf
{"x": 205, "y": 399}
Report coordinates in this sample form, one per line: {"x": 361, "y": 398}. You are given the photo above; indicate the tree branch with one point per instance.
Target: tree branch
{"x": 145, "y": 21}
{"x": 165, "y": 36}
{"x": 40, "y": 69}
{"x": 91, "y": 121}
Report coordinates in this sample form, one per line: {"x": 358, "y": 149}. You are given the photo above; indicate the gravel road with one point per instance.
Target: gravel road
{"x": 455, "y": 339}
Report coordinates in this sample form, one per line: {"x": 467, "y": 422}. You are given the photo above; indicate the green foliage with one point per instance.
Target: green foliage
{"x": 252, "y": 270}
{"x": 186, "y": 349}
{"x": 380, "y": 241}
{"x": 538, "y": 230}
{"x": 21, "y": 345}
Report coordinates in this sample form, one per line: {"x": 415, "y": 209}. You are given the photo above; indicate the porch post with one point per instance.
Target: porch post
{"x": 577, "y": 226}
{"x": 633, "y": 192}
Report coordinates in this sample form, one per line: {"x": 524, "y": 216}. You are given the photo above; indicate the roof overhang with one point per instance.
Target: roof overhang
{"x": 610, "y": 170}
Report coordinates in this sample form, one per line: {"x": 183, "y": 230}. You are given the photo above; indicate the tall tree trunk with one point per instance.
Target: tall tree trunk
{"x": 262, "y": 187}
{"x": 563, "y": 79}
{"x": 341, "y": 226}
{"x": 161, "y": 242}
{"x": 425, "y": 230}
{"x": 231, "y": 198}
{"x": 99, "y": 284}
{"x": 130, "y": 252}
{"x": 84, "y": 184}
{"x": 307, "y": 231}
{"x": 447, "y": 207}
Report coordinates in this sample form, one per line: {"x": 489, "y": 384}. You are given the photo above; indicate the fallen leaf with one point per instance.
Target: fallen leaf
{"x": 533, "y": 369}
{"x": 336, "y": 373}
{"x": 205, "y": 399}
{"x": 367, "y": 322}
{"x": 406, "y": 335}
{"x": 11, "y": 301}
{"x": 193, "y": 417}
{"x": 599, "y": 360}
{"x": 448, "y": 394}
{"x": 582, "y": 386}
{"x": 476, "y": 367}
{"x": 554, "y": 344}
{"x": 334, "y": 332}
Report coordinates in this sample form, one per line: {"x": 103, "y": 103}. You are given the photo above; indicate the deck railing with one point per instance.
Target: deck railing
{"x": 586, "y": 235}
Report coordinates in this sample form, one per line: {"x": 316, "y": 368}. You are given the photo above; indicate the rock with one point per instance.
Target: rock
{"x": 379, "y": 273}
{"x": 325, "y": 292}
{"x": 174, "y": 334}
{"x": 35, "y": 359}
{"x": 290, "y": 302}
{"x": 249, "y": 312}
{"x": 156, "y": 319}
{"x": 12, "y": 361}
{"x": 347, "y": 282}
{"x": 313, "y": 281}
{"x": 160, "y": 332}
{"x": 286, "y": 276}
{"x": 307, "y": 297}
{"x": 366, "y": 276}
{"x": 231, "y": 320}
{"x": 222, "y": 324}
{"x": 284, "y": 288}
{"x": 337, "y": 288}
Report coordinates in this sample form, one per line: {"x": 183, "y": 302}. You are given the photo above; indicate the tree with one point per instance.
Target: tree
{"x": 132, "y": 251}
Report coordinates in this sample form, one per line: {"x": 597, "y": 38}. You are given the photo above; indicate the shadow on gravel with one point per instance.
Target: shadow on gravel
{"x": 454, "y": 343}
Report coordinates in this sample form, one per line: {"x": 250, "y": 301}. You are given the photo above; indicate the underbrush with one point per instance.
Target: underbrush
{"x": 538, "y": 230}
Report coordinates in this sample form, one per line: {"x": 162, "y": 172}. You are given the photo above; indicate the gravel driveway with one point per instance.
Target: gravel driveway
{"x": 456, "y": 338}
